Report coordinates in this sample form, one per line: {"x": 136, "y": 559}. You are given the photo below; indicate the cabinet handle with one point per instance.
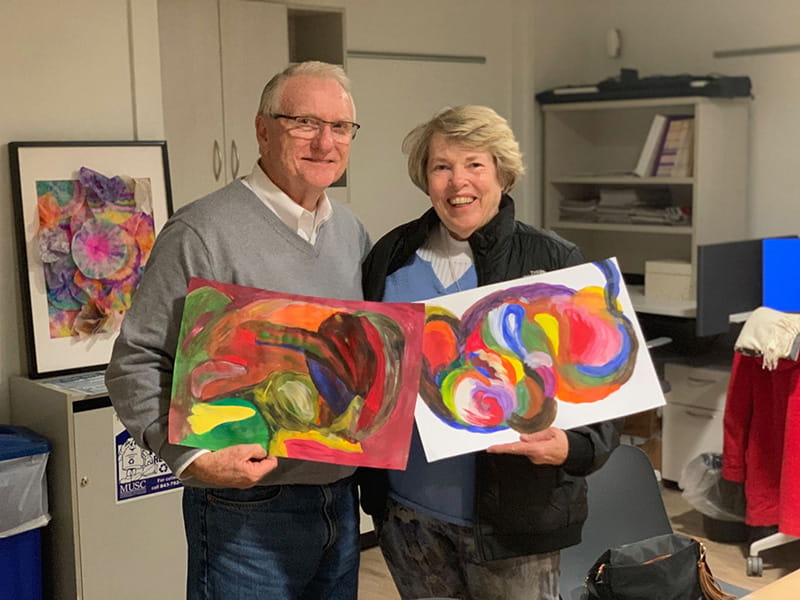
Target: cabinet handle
{"x": 216, "y": 161}
{"x": 700, "y": 415}
{"x": 234, "y": 160}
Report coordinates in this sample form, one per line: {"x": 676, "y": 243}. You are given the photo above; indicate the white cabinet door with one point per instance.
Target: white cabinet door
{"x": 255, "y": 46}
{"x": 192, "y": 96}
{"x": 693, "y": 416}
{"x": 216, "y": 56}
{"x": 130, "y": 550}
{"x": 688, "y": 431}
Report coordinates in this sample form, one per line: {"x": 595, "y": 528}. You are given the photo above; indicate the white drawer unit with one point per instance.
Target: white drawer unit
{"x": 692, "y": 418}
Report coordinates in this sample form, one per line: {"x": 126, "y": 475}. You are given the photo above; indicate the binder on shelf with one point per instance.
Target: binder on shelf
{"x": 684, "y": 158}
{"x": 677, "y": 139}
{"x": 647, "y": 158}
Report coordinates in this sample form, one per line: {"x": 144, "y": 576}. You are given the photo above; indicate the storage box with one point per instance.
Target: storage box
{"x": 652, "y": 447}
{"x": 645, "y": 424}
{"x": 668, "y": 280}
{"x": 23, "y": 510}
{"x": 643, "y": 430}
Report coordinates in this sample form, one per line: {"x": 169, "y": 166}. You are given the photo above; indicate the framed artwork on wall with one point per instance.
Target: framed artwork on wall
{"x": 87, "y": 214}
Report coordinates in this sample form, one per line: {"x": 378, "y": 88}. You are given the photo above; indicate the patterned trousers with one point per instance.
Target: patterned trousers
{"x": 430, "y": 558}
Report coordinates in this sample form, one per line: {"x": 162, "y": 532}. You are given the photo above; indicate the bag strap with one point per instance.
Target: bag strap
{"x": 708, "y": 583}
{"x": 592, "y": 582}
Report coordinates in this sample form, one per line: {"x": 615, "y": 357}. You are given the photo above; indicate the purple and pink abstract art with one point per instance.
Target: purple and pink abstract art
{"x": 94, "y": 237}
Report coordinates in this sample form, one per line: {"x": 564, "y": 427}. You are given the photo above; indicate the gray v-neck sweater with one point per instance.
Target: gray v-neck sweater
{"x": 232, "y": 237}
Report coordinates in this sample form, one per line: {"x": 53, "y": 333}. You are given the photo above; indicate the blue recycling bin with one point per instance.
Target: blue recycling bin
{"x": 23, "y": 511}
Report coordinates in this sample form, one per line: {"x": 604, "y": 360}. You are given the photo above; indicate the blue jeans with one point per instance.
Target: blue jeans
{"x": 282, "y": 542}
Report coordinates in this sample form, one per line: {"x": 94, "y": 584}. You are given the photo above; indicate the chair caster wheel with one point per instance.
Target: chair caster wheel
{"x": 755, "y": 566}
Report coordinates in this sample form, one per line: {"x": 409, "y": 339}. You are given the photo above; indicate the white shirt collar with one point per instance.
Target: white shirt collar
{"x": 304, "y": 222}
{"x": 450, "y": 258}
{"x": 440, "y": 243}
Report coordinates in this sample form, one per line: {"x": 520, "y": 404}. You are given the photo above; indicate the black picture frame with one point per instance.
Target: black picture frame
{"x": 57, "y": 164}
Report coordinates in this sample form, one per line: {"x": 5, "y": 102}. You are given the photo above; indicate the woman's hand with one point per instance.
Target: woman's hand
{"x": 548, "y": 447}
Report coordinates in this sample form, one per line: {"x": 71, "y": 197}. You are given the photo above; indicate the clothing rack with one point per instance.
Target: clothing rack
{"x": 762, "y": 427}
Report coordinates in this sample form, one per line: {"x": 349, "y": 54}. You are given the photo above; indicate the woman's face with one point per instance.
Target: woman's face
{"x": 463, "y": 186}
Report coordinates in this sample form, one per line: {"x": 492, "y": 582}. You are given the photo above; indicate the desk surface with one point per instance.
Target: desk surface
{"x": 671, "y": 308}
{"x": 785, "y": 587}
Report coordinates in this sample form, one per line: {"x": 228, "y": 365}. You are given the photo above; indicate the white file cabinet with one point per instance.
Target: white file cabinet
{"x": 106, "y": 539}
{"x": 692, "y": 418}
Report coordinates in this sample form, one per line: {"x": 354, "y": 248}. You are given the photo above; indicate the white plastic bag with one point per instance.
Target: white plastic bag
{"x": 708, "y": 493}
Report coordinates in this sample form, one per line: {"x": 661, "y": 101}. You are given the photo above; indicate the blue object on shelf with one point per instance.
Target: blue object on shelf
{"x": 781, "y": 274}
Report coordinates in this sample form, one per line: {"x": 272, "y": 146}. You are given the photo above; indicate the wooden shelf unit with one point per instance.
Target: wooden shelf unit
{"x": 592, "y": 146}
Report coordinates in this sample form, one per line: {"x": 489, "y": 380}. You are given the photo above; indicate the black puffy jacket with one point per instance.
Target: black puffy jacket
{"x": 520, "y": 508}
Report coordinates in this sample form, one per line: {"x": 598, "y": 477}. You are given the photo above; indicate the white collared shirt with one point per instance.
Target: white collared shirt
{"x": 304, "y": 222}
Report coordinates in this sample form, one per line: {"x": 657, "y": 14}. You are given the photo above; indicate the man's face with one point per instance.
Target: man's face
{"x": 303, "y": 168}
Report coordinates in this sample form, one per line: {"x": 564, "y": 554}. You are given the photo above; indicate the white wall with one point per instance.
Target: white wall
{"x": 66, "y": 75}
{"x": 671, "y": 37}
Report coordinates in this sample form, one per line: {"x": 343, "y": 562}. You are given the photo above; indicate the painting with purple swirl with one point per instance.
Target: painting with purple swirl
{"x": 562, "y": 348}
{"x": 311, "y": 378}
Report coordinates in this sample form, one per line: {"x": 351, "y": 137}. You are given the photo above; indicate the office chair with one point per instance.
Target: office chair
{"x": 625, "y": 505}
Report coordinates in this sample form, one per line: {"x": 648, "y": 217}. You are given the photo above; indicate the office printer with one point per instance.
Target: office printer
{"x": 629, "y": 85}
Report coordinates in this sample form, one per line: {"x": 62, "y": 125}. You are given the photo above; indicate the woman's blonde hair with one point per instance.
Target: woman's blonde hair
{"x": 471, "y": 126}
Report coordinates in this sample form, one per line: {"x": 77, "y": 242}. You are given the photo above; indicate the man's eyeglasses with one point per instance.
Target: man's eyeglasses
{"x": 310, "y": 127}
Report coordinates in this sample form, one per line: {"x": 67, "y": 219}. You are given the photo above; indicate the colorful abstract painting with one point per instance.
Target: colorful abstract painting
{"x": 318, "y": 379}
{"x": 86, "y": 215}
{"x": 95, "y": 235}
{"x": 563, "y": 348}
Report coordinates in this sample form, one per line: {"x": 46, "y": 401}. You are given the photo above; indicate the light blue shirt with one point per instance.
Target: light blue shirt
{"x": 443, "y": 489}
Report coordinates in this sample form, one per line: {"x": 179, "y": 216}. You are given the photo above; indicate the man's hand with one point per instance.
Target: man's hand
{"x": 548, "y": 447}
{"x": 240, "y": 466}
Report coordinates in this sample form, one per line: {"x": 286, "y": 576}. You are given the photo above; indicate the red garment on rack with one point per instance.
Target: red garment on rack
{"x": 761, "y": 444}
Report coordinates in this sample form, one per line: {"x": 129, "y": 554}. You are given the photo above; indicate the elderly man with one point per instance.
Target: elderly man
{"x": 256, "y": 526}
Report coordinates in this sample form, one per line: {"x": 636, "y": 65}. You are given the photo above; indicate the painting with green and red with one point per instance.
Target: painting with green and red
{"x": 305, "y": 377}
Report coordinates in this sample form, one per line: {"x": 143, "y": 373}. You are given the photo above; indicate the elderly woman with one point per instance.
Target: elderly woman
{"x": 488, "y": 524}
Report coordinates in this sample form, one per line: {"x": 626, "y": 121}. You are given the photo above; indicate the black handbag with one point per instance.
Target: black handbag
{"x": 664, "y": 567}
